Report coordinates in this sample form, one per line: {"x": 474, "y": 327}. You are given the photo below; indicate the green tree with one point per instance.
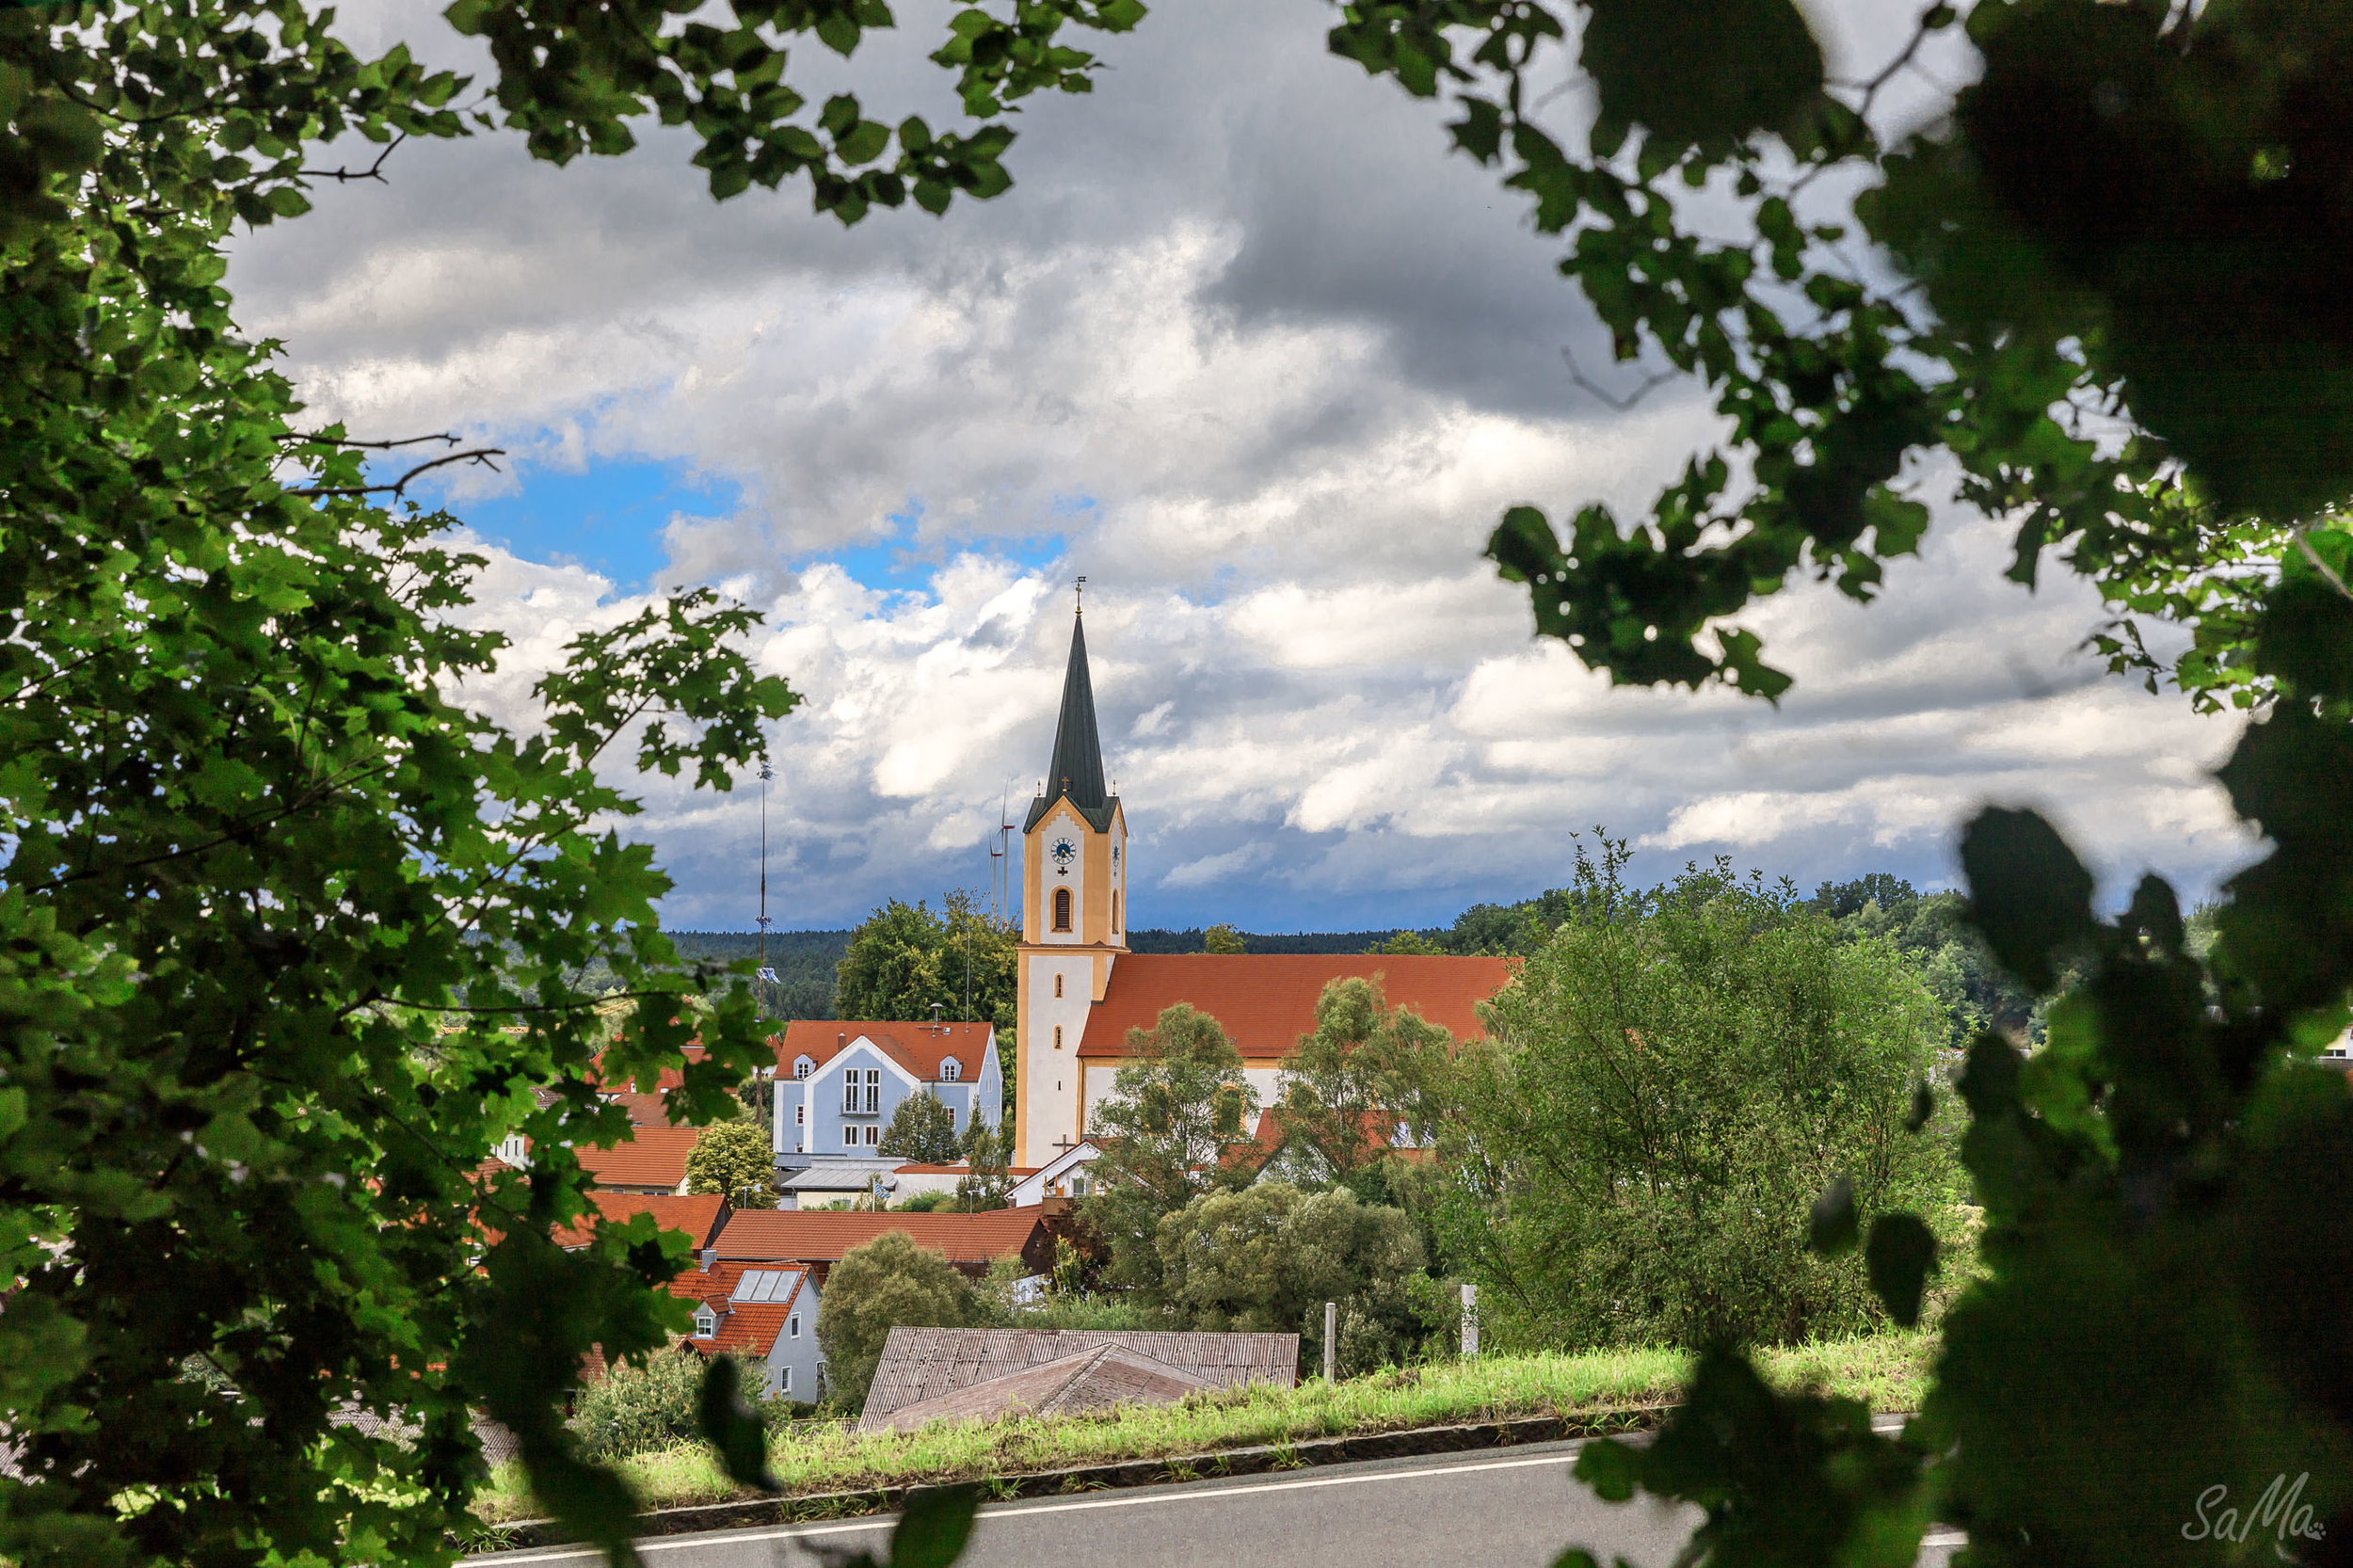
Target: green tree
{"x": 1367, "y": 1072}
{"x": 1224, "y": 939}
{"x": 734, "y": 1159}
{"x": 1267, "y": 1257}
{"x": 1178, "y": 1105}
{"x": 292, "y": 939}
{"x": 903, "y": 960}
{"x": 888, "y": 1283}
{"x": 922, "y": 1130}
{"x": 987, "y": 1154}
{"x": 1672, "y": 1086}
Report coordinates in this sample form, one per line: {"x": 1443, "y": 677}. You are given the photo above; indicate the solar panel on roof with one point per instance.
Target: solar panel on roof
{"x": 765, "y": 1285}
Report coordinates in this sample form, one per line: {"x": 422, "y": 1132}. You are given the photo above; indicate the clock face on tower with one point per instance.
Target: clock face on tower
{"x": 1064, "y": 852}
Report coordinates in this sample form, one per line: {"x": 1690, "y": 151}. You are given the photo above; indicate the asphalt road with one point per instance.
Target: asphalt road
{"x": 1517, "y": 1509}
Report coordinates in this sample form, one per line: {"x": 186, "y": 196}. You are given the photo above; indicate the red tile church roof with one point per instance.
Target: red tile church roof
{"x": 1265, "y": 1001}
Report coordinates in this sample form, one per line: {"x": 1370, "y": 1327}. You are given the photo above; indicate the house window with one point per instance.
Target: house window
{"x": 951, "y": 1118}
{"x": 873, "y": 1093}
{"x": 803, "y": 1066}
{"x": 1078, "y": 1186}
{"x": 849, "y": 1137}
{"x": 873, "y": 1133}
{"x": 1058, "y": 985}
{"x": 706, "y": 1322}
{"x": 800, "y": 1116}
{"x": 849, "y": 1093}
{"x": 1058, "y": 1036}
{"x": 784, "y": 1385}
{"x": 949, "y": 1070}
{"x": 793, "y": 1327}
{"x": 1062, "y": 909}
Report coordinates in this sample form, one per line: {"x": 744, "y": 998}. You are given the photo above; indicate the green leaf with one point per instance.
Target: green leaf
{"x": 1612, "y": 1469}
{"x": 1695, "y": 71}
{"x": 2029, "y": 895}
{"x": 1898, "y": 1257}
{"x": 934, "y": 1525}
{"x": 733, "y": 1428}
{"x": 1834, "y": 1226}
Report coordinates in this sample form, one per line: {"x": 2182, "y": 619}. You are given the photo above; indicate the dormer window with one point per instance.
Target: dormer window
{"x": 803, "y": 1066}
{"x": 949, "y": 1070}
{"x": 706, "y": 1322}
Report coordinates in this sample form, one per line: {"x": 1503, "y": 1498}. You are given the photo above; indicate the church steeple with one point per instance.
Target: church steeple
{"x": 1076, "y": 769}
{"x": 1074, "y": 881}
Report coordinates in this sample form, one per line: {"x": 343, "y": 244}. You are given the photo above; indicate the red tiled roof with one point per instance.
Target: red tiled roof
{"x": 646, "y": 1109}
{"x": 821, "y": 1236}
{"x": 699, "y": 1216}
{"x": 915, "y": 1045}
{"x": 747, "y": 1328}
{"x": 1265, "y": 1001}
{"x": 653, "y": 1157}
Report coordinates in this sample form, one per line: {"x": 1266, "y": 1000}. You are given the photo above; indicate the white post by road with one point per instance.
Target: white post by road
{"x": 1331, "y": 1337}
{"x": 1470, "y": 1319}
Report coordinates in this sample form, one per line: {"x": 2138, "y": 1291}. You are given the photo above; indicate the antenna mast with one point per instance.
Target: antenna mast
{"x": 765, "y": 974}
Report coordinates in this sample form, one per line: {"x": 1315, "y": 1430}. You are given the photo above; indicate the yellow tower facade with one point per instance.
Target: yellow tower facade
{"x": 1074, "y": 877}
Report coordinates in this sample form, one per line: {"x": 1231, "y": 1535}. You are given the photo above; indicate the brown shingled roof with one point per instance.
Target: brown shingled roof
{"x": 1267, "y": 1002}
{"x": 823, "y": 1236}
{"x": 923, "y": 1365}
{"x": 915, "y": 1045}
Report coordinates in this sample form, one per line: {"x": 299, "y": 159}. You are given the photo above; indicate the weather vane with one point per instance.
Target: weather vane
{"x": 1083, "y": 596}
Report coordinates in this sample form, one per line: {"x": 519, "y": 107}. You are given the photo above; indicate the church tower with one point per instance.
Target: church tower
{"x": 1074, "y": 873}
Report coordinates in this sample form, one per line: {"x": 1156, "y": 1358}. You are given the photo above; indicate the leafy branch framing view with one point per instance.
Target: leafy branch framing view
{"x": 290, "y": 939}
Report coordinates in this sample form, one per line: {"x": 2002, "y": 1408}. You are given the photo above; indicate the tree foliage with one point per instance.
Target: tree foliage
{"x": 289, "y": 936}
{"x": 922, "y": 1130}
{"x": 2105, "y": 299}
{"x": 1266, "y": 1258}
{"x": 1677, "y": 1075}
{"x": 1178, "y": 1104}
{"x": 902, "y": 961}
{"x": 1224, "y": 939}
{"x": 987, "y": 1154}
{"x": 735, "y": 1159}
{"x": 886, "y": 1283}
{"x": 1367, "y": 1073}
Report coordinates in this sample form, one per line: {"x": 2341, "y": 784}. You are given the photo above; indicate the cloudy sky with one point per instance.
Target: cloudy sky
{"x": 1246, "y": 348}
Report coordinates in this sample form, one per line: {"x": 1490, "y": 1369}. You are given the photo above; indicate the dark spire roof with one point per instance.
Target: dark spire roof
{"x": 1076, "y": 769}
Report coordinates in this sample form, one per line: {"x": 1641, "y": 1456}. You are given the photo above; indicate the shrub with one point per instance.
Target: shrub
{"x": 888, "y": 1283}
{"x": 1266, "y": 1258}
{"x": 1680, "y": 1073}
{"x": 640, "y": 1407}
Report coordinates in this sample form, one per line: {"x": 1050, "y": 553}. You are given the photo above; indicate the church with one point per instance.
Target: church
{"x": 1079, "y": 991}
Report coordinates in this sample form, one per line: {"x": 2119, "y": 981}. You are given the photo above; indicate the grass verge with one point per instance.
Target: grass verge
{"x": 1886, "y": 1372}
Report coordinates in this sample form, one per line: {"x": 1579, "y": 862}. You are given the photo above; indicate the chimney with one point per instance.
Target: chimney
{"x": 711, "y": 1256}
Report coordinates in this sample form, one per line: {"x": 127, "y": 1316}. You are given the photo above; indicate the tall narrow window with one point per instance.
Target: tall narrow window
{"x": 1062, "y": 909}
{"x": 1115, "y": 910}
{"x": 873, "y": 1093}
{"x": 800, "y": 1116}
{"x": 849, "y": 1093}
{"x": 1058, "y": 985}
{"x": 873, "y": 1133}
{"x": 1058, "y": 1036}
{"x": 785, "y": 1386}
